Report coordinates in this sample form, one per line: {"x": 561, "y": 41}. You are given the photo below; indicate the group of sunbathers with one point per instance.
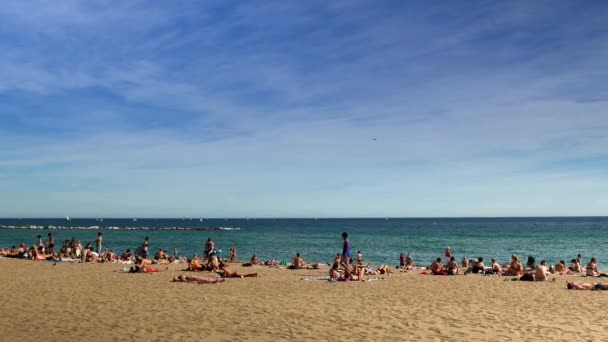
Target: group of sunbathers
{"x": 540, "y": 272}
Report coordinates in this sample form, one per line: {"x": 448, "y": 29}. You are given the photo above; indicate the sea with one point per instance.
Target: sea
{"x": 380, "y": 240}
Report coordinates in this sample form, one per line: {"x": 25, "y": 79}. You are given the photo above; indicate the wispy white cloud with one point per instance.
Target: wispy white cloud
{"x": 272, "y": 108}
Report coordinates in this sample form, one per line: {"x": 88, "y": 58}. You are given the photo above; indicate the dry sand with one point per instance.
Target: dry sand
{"x": 42, "y": 301}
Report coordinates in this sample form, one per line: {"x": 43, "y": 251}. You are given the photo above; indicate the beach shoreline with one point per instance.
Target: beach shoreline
{"x": 49, "y": 300}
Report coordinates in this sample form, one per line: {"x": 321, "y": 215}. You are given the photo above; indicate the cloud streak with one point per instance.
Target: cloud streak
{"x": 269, "y": 109}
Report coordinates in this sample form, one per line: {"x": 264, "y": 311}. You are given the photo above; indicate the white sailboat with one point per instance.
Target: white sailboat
{"x": 67, "y": 217}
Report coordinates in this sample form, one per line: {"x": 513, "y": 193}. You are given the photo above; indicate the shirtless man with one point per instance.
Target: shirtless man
{"x": 478, "y": 266}
{"x": 541, "y": 272}
{"x": 437, "y": 267}
{"x": 496, "y": 268}
{"x": 224, "y": 272}
{"x": 298, "y": 263}
{"x": 452, "y": 266}
{"x": 465, "y": 263}
{"x": 562, "y": 269}
{"x": 195, "y": 265}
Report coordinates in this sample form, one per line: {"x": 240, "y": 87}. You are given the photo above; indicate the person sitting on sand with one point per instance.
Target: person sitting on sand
{"x": 224, "y": 272}
{"x": 298, "y": 263}
{"x": 359, "y": 258}
{"x": 409, "y": 262}
{"x": 465, "y": 263}
{"x": 213, "y": 264}
{"x": 195, "y": 264}
{"x": 126, "y": 256}
{"x": 437, "y": 267}
{"x": 452, "y": 266}
{"x": 586, "y": 286}
{"x": 352, "y": 272}
{"x": 541, "y": 273}
{"x": 576, "y": 267}
{"x": 198, "y": 280}
{"x": 515, "y": 268}
{"x": 562, "y": 269}
{"x": 591, "y": 269}
{"x": 478, "y": 266}
{"x": 496, "y": 268}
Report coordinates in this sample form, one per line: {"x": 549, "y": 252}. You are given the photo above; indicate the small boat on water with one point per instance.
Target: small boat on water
{"x": 67, "y": 217}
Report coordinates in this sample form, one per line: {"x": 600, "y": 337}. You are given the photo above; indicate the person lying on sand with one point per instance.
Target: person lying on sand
{"x": 351, "y": 272}
{"x": 586, "y": 286}
{"x": 140, "y": 267}
{"x": 381, "y": 269}
{"x": 224, "y": 272}
{"x": 199, "y": 280}
{"x": 562, "y": 269}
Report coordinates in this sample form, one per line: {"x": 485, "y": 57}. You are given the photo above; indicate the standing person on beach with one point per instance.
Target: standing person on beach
{"x": 345, "y": 257}
{"x": 98, "y": 242}
{"x": 146, "y": 245}
{"x": 51, "y": 244}
{"x": 448, "y": 255}
{"x": 209, "y": 247}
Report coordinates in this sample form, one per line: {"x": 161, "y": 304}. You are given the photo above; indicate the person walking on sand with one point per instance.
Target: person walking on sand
{"x": 345, "y": 257}
{"x": 98, "y": 242}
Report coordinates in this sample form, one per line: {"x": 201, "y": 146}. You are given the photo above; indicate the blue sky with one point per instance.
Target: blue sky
{"x": 270, "y": 109}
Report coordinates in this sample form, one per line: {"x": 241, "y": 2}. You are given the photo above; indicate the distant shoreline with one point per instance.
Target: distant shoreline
{"x": 34, "y": 227}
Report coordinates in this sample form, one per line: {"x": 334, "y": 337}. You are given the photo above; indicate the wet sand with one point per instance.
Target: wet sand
{"x": 50, "y": 302}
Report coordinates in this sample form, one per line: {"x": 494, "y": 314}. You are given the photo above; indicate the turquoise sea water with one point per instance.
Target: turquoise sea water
{"x": 380, "y": 240}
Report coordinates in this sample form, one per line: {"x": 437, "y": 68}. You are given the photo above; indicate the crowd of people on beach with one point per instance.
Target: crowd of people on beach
{"x": 344, "y": 267}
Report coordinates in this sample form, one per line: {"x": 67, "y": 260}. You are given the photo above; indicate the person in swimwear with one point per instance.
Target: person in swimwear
{"x": 591, "y": 269}
{"x": 359, "y": 258}
{"x": 586, "y": 286}
{"x": 409, "y": 262}
{"x": 496, "y": 268}
{"x": 562, "y": 269}
{"x": 464, "y": 263}
{"x": 437, "y": 267}
{"x": 224, "y": 272}
{"x": 516, "y": 268}
{"x": 478, "y": 266}
{"x": 576, "y": 266}
{"x": 452, "y": 266}
{"x": 199, "y": 280}
{"x": 298, "y": 263}
{"x": 98, "y": 242}
{"x": 352, "y": 272}
{"x": 541, "y": 273}
{"x": 195, "y": 265}
{"x": 345, "y": 249}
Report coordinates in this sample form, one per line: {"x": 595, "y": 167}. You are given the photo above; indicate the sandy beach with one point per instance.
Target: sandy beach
{"x": 45, "y": 301}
